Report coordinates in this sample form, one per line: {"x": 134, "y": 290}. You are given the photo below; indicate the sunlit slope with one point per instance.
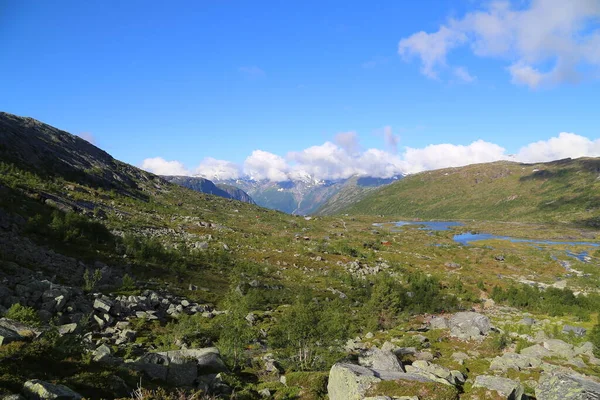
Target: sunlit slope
{"x": 560, "y": 191}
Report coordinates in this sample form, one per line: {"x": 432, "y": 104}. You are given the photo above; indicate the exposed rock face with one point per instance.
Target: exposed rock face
{"x": 508, "y": 388}
{"x": 48, "y": 149}
{"x": 561, "y": 385}
{"x": 40, "y": 390}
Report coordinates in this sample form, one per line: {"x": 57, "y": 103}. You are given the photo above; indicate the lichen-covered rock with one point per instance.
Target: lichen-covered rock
{"x": 351, "y": 381}
{"x": 40, "y": 390}
{"x": 514, "y": 361}
{"x": 536, "y": 351}
{"x": 434, "y": 372}
{"x": 567, "y": 385}
{"x": 380, "y": 360}
{"x": 505, "y": 387}
{"x": 469, "y": 325}
{"x": 560, "y": 348}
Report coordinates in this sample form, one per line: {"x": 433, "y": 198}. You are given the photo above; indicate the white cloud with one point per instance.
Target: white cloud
{"x": 330, "y": 161}
{"x": 327, "y": 161}
{"x": 160, "y": 166}
{"x": 437, "y": 156}
{"x": 565, "y": 145}
{"x": 212, "y": 168}
{"x": 264, "y": 165}
{"x": 431, "y": 48}
{"x": 546, "y": 42}
{"x": 348, "y": 141}
{"x": 525, "y": 75}
{"x": 463, "y": 75}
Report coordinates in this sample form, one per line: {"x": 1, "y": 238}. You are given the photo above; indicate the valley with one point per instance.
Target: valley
{"x": 116, "y": 283}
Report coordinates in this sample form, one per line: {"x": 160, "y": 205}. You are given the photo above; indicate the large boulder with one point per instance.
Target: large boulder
{"x": 40, "y": 390}
{"x": 181, "y": 367}
{"x": 514, "y": 361}
{"x": 560, "y": 348}
{"x": 536, "y": 351}
{"x": 507, "y": 388}
{"x": 469, "y": 325}
{"x": 567, "y": 385}
{"x": 577, "y": 330}
{"x": 208, "y": 359}
{"x": 380, "y": 360}
{"x": 351, "y": 381}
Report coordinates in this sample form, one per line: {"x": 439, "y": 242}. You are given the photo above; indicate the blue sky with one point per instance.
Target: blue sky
{"x": 189, "y": 80}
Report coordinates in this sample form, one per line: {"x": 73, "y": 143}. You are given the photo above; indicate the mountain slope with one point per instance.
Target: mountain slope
{"x": 352, "y": 191}
{"x": 304, "y": 196}
{"x": 206, "y": 186}
{"x": 560, "y": 191}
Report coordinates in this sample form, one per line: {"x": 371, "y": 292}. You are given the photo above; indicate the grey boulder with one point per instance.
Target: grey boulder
{"x": 566, "y": 385}
{"x": 40, "y": 390}
{"x": 511, "y": 390}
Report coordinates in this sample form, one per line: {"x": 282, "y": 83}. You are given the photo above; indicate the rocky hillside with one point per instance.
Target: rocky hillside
{"x": 560, "y": 191}
{"x": 206, "y": 186}
{"x": 115, "y": 283}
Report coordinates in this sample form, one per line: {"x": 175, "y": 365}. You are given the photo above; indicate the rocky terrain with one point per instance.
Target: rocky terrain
{"x": 115, "y": 283}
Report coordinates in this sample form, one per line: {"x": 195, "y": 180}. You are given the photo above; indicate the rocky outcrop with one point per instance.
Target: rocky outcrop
{"x": 566, "y": 385}
{"x": 40, "y": 390}
{"x": 507, "y": 388}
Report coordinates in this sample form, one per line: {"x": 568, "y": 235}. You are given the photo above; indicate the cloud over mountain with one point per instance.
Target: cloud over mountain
{"x": 338, "y": 161}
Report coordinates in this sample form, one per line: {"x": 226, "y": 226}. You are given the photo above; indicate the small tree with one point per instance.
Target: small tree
{"x": 236, "y": 333}
{"x": 308, "y": 332}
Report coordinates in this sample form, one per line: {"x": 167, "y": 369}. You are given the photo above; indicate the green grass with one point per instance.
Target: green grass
{"x": 561, "y": 191}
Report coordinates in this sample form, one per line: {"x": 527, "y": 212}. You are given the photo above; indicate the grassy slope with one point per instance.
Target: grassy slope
{"x": 351, "y": 192}
{"x": 560, "y": 191}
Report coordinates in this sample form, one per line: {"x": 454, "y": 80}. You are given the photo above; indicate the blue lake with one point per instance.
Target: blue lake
{"x": 468, "y": 238}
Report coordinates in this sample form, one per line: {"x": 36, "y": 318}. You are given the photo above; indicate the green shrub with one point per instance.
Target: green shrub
{"x": 24, "y": 314}
{"x": 308, "y": 334}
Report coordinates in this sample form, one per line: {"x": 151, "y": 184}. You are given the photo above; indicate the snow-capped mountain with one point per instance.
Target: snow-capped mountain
{"x": 301, "y": 194}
